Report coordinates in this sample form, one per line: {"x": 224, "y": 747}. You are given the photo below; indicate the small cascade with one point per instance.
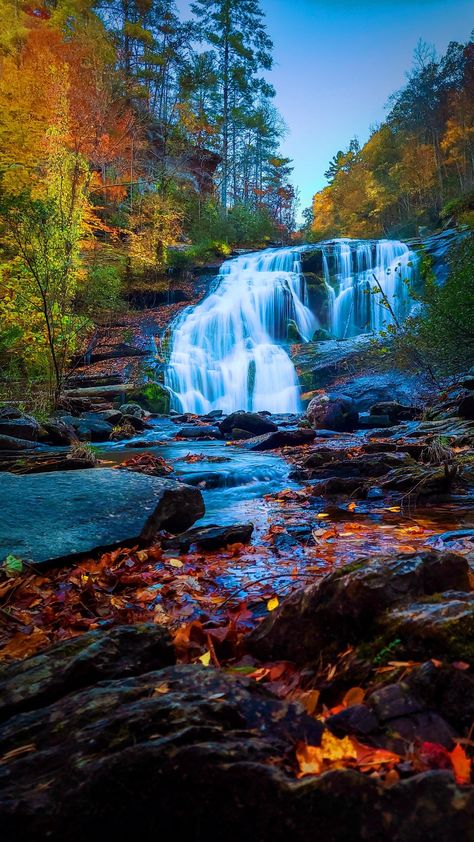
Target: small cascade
{"x": 228, "y": 352}
{"x": 359, "y": 275}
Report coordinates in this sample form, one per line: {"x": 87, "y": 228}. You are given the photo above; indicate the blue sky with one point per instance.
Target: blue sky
{"x": 336, "y": 63}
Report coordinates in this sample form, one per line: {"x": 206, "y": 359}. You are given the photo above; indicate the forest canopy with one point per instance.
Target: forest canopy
{"x": 417, "y": 167}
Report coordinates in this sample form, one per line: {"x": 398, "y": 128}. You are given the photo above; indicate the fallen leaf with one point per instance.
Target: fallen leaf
{"x": 21, "y": 645}
{"x": 461, "y": 765}
{"x": 272, "y": 603}
{"x": 352, "y": 507}
{"x": 175, "y": 562}
{"x": 354, "y": 696}
{"x": 205, "y": 659}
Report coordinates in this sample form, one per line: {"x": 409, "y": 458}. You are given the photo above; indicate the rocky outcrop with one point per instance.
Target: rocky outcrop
{"x": 51, "y": 516}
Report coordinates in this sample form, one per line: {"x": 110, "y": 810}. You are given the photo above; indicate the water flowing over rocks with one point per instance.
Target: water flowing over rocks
{"x": 228, "y": 352}
{"x": 46, "y": 517}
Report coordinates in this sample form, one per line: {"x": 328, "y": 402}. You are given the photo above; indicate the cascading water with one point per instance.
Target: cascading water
{"x": 227, "y": 352}
{"x": 359, "y": 275}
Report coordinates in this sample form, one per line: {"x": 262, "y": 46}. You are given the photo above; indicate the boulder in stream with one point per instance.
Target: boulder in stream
{"x": 51, "y": 516}
{"x": 249, "y": 422}
{"x": 280, "y": 438}
{"x": 333, "y": 412}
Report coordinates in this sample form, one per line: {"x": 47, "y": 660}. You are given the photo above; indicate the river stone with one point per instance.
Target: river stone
{"x": 55, "y": 431}
{"x": 51, "y": 516}
{"x": 24, "y": 427}
{"x": 210, "y": 537}
{"x": 195, "y": 431}
{"x": 281, "y": 438}
{"x": 8, "y": 443}
{"x": 445, "y": 688}
{"x": 342, "y": 608}
{"x": 250, "y": 422}
{"x": 333, "y": 412}
{"x": 88, "y": 426}
{"x": 435, "y": 628}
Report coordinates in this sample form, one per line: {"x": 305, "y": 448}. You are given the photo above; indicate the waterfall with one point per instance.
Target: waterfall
{"x": 228, "y": 352}
{"x": 354, "y": 273}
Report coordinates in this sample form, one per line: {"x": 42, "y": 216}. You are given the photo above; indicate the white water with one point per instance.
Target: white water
{"x": 353, "y": 270}
{"x": 228, "y": 352}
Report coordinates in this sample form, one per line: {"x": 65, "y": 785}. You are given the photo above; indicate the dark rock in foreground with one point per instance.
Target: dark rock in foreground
{"x": 189, "y": 752}
{"x": 51, "y": 516}
{"x": 343, "y": 608}
{"x": 81, "y": 662}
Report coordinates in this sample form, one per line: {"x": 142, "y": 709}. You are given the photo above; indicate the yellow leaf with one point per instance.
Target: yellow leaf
{"x": 331, "y": 754}
{"x": 352, "y": 507}
{"x": 175, "y": 562}
{"x": 273, "y": 603}
{"x": 205, "y": 659}
{"x": 322, "y": 515}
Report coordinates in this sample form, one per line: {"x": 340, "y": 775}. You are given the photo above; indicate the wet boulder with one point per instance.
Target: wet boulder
{"x": 280, "y": 438}
{"x": 437, "y": 627}
{"x": 332, "y": 412}
{"x": 58, "y": 432}
{"x": 12, "y": 444}
{"x": 395, "y": 411}
{"x": 52, "y": 516}
{"x": 199, "y": 431}
{"x": 129, "y": 752}
{"x": 88, "y": 426}
{"x": 133, "y": 408}
{"x": 249, "y": 422}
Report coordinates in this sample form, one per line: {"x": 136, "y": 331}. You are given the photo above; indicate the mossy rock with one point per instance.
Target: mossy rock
{"x": 153, "y": 397}
{"x": 440, "y": 626}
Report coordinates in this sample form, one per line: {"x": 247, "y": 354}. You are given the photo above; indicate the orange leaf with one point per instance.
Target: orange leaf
{"x": 22, "y": 645}
{"x": 354, "y": 696}
{"x": 461, "y": 765}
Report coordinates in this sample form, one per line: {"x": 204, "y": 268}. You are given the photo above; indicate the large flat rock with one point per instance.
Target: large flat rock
{"x": 45, "y": 517}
